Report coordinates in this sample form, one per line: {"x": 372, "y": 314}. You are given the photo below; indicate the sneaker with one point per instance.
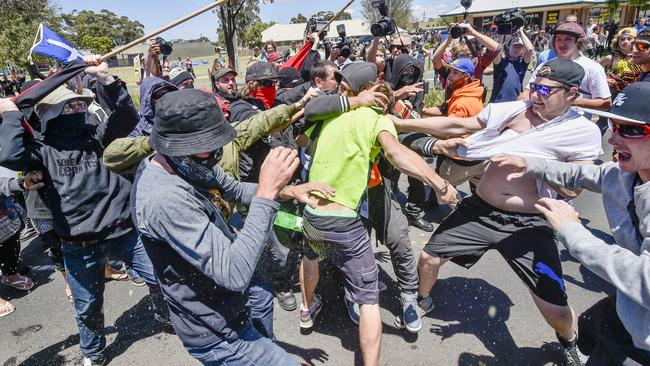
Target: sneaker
{"x": 287, "y": 300}
{"x": 135, "y": 278}
{"x": 99, "y": 361}
{"x": 570, "y": 350}
{"x": 308, "y": 316}
{"x": 424, "y": 307}
{"x": 353, "y": 311}
{"x": 410, "y": 316}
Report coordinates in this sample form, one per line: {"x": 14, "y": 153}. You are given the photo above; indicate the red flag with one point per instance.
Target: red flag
{"x": 297, "y": 60}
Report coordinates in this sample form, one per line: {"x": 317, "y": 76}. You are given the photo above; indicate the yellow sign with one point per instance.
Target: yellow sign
{"x": 552, "y": 17}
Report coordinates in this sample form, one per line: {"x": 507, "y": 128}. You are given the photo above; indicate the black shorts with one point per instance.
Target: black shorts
{"x": 525, "y": 241}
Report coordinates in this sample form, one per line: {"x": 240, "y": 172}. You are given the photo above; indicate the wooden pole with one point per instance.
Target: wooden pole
{"x": 336, "y": 16}
{"x": 160, "y": 30}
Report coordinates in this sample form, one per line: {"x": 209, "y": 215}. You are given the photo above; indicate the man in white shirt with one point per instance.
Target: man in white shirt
{"x": 594, "y": 90}
{"x": 501, "y": 214}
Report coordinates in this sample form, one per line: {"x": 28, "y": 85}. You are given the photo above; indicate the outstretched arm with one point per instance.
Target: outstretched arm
{"x": 440, "y": 127}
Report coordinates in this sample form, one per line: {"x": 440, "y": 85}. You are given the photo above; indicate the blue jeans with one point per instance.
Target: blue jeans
{"x": 260, "y": 300}
{"x": 85, "y": 267}
{"x": 250, "y": 349}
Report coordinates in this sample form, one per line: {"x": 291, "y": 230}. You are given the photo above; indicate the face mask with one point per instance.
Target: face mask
{"x": 408, "y": 79}
{"x": 266, "y": 94}
{"x": 211, "y": 161}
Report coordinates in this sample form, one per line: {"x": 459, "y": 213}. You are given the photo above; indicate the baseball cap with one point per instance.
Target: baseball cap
{"x": 464, "y": 65}
{"x": 260, "y": 71}
{"x": 573, "y": 29}
{"x": 357, "y": 74}
{"x": 630, "y": 105}
{"x": 178, "y": 75}
{"x": 223, "y": 71}
{"x": 516, "y": 41}
{"x": 563, "y": 71}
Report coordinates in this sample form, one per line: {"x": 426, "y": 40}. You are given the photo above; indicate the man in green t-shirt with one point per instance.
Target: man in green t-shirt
{"x": 345, "y": 145}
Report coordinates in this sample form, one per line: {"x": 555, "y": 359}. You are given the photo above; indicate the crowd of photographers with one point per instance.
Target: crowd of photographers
{"x": 222, "y": 199}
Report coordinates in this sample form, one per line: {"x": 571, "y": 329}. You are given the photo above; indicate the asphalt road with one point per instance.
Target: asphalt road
{"x": 483, "y": 316}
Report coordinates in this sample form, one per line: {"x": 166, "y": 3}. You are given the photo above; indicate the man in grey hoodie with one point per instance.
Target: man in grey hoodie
{"x": 616, "y": 330}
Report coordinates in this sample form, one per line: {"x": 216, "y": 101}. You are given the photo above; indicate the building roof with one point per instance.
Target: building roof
{"x": 295, "y": 32}
{"x": 491, "y": 6}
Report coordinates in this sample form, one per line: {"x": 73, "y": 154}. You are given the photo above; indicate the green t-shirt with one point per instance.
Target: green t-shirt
{"x": 346, "y": 146}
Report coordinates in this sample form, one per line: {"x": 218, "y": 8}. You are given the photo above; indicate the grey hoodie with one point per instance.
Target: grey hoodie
{"x": 626, "y": 264}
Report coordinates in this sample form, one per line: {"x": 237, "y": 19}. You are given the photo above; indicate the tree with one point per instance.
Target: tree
{"x": 99, "y": 45}
{"x": 298, "y": 19}
{"x": 254, "y": 33}
{"x": 400, "y": 10}
{"x": 327, "y": 15}
{"x": 235, "y": 18}
{"x": 18, "y": 26}
{"x": 87, "y": 24}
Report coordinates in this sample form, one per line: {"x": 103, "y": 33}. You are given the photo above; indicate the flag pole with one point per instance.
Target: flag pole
{"x": 38, "y": 31}
{"x": 336, "y": 16}
{"x": 160, "y": 30}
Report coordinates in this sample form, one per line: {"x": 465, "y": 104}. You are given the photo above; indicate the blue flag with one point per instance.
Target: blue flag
{"x": 52, "y": 45}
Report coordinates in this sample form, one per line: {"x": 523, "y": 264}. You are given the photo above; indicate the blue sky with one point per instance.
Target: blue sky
{"x": 154, "y": 14}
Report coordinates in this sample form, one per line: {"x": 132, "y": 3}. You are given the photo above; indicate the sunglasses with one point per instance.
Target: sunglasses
{"x": 267, "y": 82}
{"x": 641, "y": 45}
{"x": 544, "y": 90}
{"x": 630, "y": 131}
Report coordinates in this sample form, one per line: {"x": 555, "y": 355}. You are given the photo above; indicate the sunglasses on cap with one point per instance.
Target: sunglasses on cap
{"x": 642, "y": 46}
{"x": 544, "y": 90}
{"x": 630, "y": 131}
{"x": 267, "y": 82}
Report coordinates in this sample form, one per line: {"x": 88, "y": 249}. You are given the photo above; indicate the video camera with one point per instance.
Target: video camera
{"x": 343, "y": 45}
{"x": 456, "y": 32}
{"x": 314, "y": 25}
{"x": 165, "y": 46}
{"x": 384, "y": 26}
{"x": 510, "y": 21}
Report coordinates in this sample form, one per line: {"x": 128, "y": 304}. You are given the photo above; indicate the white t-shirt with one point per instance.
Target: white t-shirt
{"x": 569, "y": 137}
{"x": 594, "y": 82}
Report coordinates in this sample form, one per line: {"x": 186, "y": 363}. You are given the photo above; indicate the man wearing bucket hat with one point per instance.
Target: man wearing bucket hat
{"x": 89, "y": 204}
{"x": 204, "y": 270}
{"x": 616, "y": 330}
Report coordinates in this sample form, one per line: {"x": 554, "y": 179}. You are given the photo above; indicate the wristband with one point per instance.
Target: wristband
{"x": 444, "y": 189}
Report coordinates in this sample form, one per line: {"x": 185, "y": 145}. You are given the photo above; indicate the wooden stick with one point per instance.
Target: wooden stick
{"x": 336, "y": 16}
{"x": 160, "y": 30}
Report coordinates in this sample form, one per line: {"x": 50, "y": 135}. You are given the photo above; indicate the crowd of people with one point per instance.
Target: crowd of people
{"x": 307, "y": 152}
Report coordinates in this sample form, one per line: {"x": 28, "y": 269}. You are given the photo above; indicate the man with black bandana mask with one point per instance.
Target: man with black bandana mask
{"x": 89, "y": 204}
{"x": 181, "y": 229}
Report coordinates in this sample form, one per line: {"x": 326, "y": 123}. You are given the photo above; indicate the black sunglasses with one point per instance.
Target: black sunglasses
{"x": 267, "y": 82}
{"x": 630, "y": 131}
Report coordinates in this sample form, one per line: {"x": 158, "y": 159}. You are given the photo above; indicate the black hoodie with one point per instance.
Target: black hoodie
{"x": 399, "y": 79}
{"x": 88, "y": 203}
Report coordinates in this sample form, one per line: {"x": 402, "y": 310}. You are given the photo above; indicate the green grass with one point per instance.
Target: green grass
{"x": 436, "y": 97}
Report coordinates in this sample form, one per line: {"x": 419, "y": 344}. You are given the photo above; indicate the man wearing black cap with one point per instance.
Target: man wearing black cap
{"x": 594, "y": 89}
{"x": 203, "y": 269}
{"x": 345, "y": 144}
{"x": 502, "y": 214}
{"x": 616, "y": 330}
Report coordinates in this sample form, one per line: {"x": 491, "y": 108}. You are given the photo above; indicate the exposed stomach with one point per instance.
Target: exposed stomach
{"x": 516, "y": 195}
{"x": 327, "y": 205}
